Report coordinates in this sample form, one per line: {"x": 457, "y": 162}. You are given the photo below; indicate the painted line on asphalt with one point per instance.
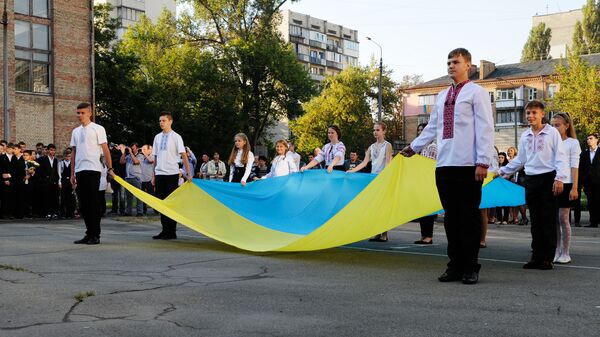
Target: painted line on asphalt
{"x": 482, "y": 259}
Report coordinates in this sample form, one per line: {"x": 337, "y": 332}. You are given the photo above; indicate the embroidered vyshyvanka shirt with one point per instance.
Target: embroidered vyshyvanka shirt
{"x": 462, "y": 125}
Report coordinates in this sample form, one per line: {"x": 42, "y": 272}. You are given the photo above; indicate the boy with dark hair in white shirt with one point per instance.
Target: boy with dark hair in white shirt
{"x": 461, "y": 123}
{"x": 541, "y": 153}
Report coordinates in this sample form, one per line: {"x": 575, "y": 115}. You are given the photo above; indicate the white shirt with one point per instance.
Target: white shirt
{"x": 573, "y": 151}
{"x": 216, "y": 169}
{"x": 238, "y": 163}
{"x": 378, "y": 155}
{"x": 103, "y": 182}
{"x": 540, "y": 154}
{"x": 473, "y": 129}
{"x": 330, "y": 151}
{"x": 167, "y": 149}
{"x": 281, "y": 166}
{"x": 88, "y": 142}
{"x": 295, "y": 157}
{"x": 593, "y": 154}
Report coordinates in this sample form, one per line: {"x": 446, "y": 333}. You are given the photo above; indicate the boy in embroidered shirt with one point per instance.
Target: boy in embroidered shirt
{"x": 541, "y": 153}
{"x": 462, "y": 125}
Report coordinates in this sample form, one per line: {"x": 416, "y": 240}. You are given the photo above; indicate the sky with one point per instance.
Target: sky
{"x": 416, "y": 36}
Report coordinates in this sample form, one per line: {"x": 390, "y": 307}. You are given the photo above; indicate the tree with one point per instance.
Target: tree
{"x": 176, "y": 76}
{"x": 346, "y": 101}
{"x": 579, "y": 93}
{"x": 537, "y": 46}
{"x": 270, "y": 81}
{"x": 586, "y": 38}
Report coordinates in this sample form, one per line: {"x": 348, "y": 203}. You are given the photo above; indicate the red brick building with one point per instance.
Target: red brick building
{"x": 50, "y": 68}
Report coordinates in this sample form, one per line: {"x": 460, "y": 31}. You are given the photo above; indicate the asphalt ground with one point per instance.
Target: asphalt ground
{"x": 131, "y": 285}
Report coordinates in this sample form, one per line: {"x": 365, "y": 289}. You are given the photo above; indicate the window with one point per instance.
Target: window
{"x": 351, "y": 45}
{"x": 426, "y": 100}
{"x": 298, "y": 22}
{"x": 508, "y": 117}
{"x": 32, "y": 57}
{"x": 32, "y": 7}
{"x": 491, "y": 97}
{"x": 317, "y": 36}
{"x": 295, "y": 30}
{"x": 532, "y": 94}
{"x": 552, "y": 89}
{"x": 126, "y": 13}
{"x": 505, "y": 94}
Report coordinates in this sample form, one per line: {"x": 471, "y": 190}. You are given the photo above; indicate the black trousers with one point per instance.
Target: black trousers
{"x": 8, "y": 199}
{"x": 460, "y": 195}
{"x": 67, "y": 199}
{"x": 88, "y": 183}
{"x": 148, "y": 188}
{"x": 543, "y": 207}
{"x": 426, "y": 223}
{"x": 165, "y": 185}
{"x": 592, "y": 192}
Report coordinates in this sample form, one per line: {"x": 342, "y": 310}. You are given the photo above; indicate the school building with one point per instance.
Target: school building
{"x": 47, "y": 69}
{"x": 511, "y": 87}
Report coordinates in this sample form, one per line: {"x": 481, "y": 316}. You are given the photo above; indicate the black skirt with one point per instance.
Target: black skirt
{"x": 238, "y": 174}
{"x": 563, "y": 198}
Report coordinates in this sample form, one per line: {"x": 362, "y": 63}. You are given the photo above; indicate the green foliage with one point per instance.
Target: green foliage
{"x": 586, "y": 38}
{"x": 346, "y": 101}
{"x": 270, "y": 82}
{"x": 537, "y": 46}
{"x": 579, "y": 94}
{"x": 220, "y": 69}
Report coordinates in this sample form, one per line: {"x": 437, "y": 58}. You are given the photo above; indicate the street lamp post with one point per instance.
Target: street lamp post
{"x": 5, "y": 72}
{"x": 379, "y": 100}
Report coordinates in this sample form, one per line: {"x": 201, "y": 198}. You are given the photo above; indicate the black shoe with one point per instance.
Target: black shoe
{"x": 546, "y": 265}
{"x": 421, "y": 242}
{"x": 536, "y": 264}
{"x": 450, "y": 275}
{"x": 94, "y": 240}
{"x": 172, "y": 236}
{"x": 82, "y": 241}
{"x": 471, "y": 277}
{"x": 159, "y": 236}
{"x": 591, "y": 226}
{"x": 139, "y": 215}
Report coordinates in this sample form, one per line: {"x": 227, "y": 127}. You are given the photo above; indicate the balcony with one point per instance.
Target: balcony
{"x": 317, "y": 60}
{"x": 509, "y": 103}
{"x": 297, "y": 39}
{"x": 316, "y": 44}
{"x": 302, "y": 57}
{"x": 336, "y": 65}
{"x": 334, "y": 48}
{"x": 317, "y": 77}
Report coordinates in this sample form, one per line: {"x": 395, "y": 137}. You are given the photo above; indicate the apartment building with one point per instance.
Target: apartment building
{"x": 130, "y": 11}
{"x": 511, "y": 87}
{"x": 323, "y": 48}
{"x": 50, "y": 69}
{"x": 563, "y": 26}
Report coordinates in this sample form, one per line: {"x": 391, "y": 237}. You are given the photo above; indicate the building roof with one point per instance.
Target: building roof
{"x": 515, "y": 70}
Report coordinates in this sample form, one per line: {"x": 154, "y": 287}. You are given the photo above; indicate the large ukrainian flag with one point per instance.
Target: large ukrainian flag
{"x": 314, "y": 210}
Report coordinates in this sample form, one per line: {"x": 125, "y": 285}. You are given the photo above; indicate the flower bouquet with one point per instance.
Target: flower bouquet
{"x": 30, "y": 167}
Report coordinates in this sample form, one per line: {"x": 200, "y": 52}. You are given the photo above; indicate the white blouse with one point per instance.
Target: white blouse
{"x": 281, "y": 166}
{"x": 541, "y": 153}
{"x": 573, "y": 151}
{"x": 378, "y": 154}
{"x": 238, "y": 163}
{"x": 329, "y": 152}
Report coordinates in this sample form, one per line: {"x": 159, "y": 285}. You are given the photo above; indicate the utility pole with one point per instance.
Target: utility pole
{"x": 5, "y": 72}
{"x": 379, "y": 100}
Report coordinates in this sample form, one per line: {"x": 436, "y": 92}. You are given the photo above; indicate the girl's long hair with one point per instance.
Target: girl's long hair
{"x": 570, "y": 130}
{"x": 245, "y": 150}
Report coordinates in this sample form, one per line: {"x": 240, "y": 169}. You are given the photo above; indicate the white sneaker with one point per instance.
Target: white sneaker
{"x": 563, "y": 259}
{"x": 557, "y": 255}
